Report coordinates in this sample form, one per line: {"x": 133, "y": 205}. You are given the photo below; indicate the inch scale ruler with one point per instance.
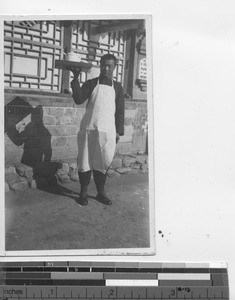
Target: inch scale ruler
{"x": 112, "y": 280}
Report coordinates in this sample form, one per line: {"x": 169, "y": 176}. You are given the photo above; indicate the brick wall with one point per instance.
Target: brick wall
{"x": 42, "y": 128}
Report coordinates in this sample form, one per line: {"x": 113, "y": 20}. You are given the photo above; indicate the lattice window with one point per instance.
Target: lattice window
{"x": 91, "y": 47}
{"x": 30, "y": 53}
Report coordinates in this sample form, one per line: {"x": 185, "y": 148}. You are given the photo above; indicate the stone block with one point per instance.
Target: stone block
{"x": 116, "y": 163}
{"x": 130, "y": 113}
{"x": 29, "y": 173}
{"x": 20, "y": 169}
{"x": 141, "y": 159}
{"x": 127, "y": 138}
{"x": 33, "y": 184}
{"x": 135, "y": 166}
{"x": 123, "y": 170}
{"x": 56, "y": 130}
{"x": 69, "y": 112}
{"x": 59, "y": 121}
{"x": 129, "y": 129}
{"x": 80, "y": 112}
{"x": 128, "y": 160}
{"x": 124, "y": 148}
{"x": 63, "y": 170}
{"x": 144, "y": 167}
{"x": 61, "y": 141}
{"x": 64, "y": 120}
{"x": 19, "y": 186}
{"x": 132, "y": 155}
{"x": 131, "y": 105}
{"x": 24, "y": 171}
{"x": 72, "y": 141}
{"x": 141, "y": 152}
{"x": 74, "y": 177}
{"x": 63, "y": 178}
{"x": 68, "y": 120}
{"x": 73, "y": 168}
{"x": 71, "y": 130}
{"x": 46, "y": 110}
{"x": 10, "y": 170}
{"x": 76, "y": 120}
{"x": 56, "y": 111}
{"x": 129, "y": 121}
{"x": 49, "y": 120}
{"x": 11, "y": 178}
{"x": 53, "y": 141}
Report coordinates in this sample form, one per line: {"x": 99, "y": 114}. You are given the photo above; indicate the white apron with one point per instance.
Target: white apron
{"x": 97, "y": 135}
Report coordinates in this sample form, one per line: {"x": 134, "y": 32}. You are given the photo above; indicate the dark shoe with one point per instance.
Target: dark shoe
{"x": 82, "y": 200}
{"x": 103, "y": 199}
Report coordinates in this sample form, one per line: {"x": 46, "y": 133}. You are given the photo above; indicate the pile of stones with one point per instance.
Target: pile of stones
{"x": 22, "y": 177}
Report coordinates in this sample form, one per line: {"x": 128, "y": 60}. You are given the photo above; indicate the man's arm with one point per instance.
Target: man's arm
{"x": 119, "y": 113}
{"x": 80, "y": 94}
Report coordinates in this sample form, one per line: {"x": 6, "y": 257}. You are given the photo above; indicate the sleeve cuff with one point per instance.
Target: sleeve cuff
{"x": 74, "y": 81}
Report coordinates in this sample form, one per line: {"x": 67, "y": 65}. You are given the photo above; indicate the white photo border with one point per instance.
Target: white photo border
{"x": 150, "y": 103}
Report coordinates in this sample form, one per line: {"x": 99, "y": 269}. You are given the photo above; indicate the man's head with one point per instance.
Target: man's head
{"x": 107, "y": 65}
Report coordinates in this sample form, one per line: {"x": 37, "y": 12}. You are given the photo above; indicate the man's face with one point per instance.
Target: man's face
{"x": 107, "y": 67}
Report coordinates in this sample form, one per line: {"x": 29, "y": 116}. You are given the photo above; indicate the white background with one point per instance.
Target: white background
{"x": 194, "y": 107}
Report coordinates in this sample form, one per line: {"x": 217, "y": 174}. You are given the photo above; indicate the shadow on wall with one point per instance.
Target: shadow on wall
{"x": 34, "y": 136}
{"x": 36, "y": 141}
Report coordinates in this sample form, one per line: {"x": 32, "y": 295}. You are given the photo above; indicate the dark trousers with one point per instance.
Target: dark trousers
{"x": 99, "y": 179}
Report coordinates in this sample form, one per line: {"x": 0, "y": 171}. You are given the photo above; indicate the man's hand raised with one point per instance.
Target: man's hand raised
{"x": 76, "y": 71}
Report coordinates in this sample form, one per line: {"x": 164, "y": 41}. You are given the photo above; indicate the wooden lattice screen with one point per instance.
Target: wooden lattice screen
{"x": 30, "y": 53}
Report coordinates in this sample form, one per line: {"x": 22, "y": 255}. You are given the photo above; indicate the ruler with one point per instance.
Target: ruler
{"x": 112, "y": 280}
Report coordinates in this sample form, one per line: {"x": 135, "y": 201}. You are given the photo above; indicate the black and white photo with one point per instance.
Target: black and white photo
{"x": 78, "y": 135}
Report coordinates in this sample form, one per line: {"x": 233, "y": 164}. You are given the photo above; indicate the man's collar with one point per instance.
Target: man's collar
{"x": 105, "y": 78}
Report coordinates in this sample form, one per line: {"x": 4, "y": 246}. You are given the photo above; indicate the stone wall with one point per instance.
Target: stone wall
{"x": 42, "y": 128}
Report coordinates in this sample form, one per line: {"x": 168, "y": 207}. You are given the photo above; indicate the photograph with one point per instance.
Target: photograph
{"x": 78, "y": 135}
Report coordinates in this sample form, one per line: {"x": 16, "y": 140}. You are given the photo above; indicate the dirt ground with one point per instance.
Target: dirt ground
{"x": 51, "y": 219}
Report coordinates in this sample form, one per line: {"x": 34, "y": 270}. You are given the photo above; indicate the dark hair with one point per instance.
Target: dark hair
{"x": 109, "y": 56}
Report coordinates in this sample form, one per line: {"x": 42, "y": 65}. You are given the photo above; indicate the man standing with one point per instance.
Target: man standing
{"x": 101, "y": 126}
